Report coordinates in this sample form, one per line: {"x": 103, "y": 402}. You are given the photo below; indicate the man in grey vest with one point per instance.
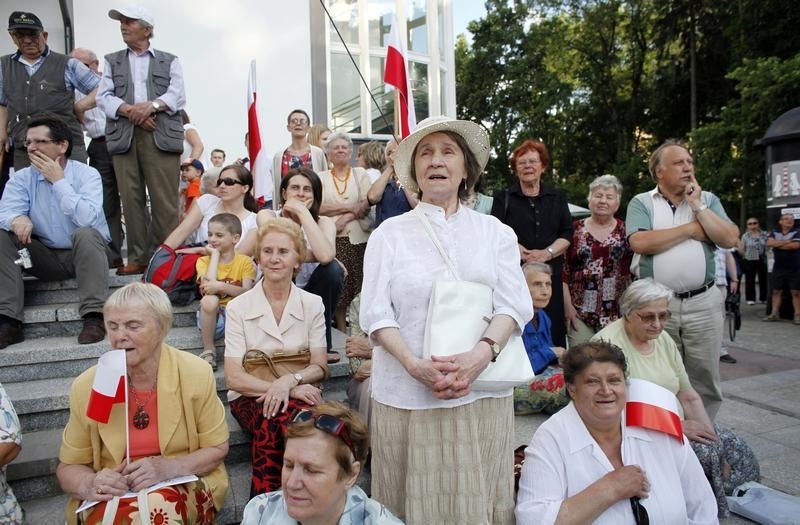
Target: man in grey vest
{"x": 37, "y": 80}
{"x": 142, "y": 93}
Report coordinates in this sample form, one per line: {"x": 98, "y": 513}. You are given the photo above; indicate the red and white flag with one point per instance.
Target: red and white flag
{"x": 396, "y": 74}
{"x": 654, "y": 407}
{"x": 259, "y": 163}
{"x": 109, "y": 386}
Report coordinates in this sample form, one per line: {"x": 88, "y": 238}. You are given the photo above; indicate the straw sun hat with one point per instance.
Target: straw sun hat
{"x": 476, "y": 137}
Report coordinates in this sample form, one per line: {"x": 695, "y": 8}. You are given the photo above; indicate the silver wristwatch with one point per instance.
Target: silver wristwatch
{"x": 297, "y": 378}
{"x": 156, "y": 106}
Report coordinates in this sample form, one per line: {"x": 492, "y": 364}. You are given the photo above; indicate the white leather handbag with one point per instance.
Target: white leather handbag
{"x": 458, "y": 314}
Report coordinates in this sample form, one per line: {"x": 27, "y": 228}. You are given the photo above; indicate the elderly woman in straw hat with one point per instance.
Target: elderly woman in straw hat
{"x": 441, "y": 448}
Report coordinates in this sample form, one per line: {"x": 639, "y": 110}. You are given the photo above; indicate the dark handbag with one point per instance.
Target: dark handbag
{"x": 271, "y": 367}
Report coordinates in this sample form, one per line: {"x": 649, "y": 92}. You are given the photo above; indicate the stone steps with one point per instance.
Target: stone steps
{"x": 37, "y": 375}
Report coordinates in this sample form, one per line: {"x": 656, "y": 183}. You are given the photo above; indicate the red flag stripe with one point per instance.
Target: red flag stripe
{"x": 100, "y": 405}
{"x": 395, "y": 75}
{"x": 654, "y": 418}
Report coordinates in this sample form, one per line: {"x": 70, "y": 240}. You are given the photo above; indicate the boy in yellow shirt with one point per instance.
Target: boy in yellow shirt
{"x": 222, "y": 275}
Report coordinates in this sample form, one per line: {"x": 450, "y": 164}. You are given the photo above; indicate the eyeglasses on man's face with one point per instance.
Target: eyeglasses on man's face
{"x": 298, "y": 121}
{"x": 38, "y": 142}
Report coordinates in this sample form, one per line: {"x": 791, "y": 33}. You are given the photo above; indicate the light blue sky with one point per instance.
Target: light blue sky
{"x": 464, "y": 11}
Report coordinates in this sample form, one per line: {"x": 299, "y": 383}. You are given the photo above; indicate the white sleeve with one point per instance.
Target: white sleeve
{"x": 543, "y": 484}
{"x": 376, "y": 310}
{"x": 701, "y": 505}
{"x": 510, "y": 295}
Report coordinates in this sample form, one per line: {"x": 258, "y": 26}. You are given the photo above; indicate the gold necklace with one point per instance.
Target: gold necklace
{"x": 346, "y": 181}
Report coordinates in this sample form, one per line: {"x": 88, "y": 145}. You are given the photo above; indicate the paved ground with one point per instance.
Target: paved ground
{"x": 762, "y": 399}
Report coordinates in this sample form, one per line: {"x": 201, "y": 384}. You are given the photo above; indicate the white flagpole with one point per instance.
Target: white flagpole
{"x": 127, "y": 433}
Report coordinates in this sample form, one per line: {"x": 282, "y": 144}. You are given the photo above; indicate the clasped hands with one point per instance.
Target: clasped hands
{"x": 451, "y": 377}
{"x": 276, "y": 398}
{"x": 132, "y": 477}
{"x": 142, "y": 114}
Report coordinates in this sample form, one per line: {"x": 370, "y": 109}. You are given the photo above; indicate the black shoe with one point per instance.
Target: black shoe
{"x": 727, "y": 358}
{"x": 10, "y": 333}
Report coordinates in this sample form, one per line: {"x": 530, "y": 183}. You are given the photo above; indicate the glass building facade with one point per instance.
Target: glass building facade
{"x": 357, "y": 31}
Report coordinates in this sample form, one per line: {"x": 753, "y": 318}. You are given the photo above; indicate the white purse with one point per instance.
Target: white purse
{"x": 458, "y": 314}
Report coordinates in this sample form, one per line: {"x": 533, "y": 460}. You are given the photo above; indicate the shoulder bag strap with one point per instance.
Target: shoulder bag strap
{"x": 429, "y": 230}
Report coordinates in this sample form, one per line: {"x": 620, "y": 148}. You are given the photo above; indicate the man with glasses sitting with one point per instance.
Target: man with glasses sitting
{"x": 299, "y": 154}
{"x": 36, "y": 79}
{"x": 54, "y": 211}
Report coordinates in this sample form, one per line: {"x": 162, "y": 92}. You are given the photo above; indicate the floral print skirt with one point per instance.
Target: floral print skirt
{"x": 727, "y": 463}
{"x": 546, "y": 394}
{"x": 190, "y": 503}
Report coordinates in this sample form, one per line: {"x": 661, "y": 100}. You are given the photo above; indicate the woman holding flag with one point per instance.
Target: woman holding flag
{"x": 652, "y": 355}
{"x": 167, "y": 426}
{"x": 585, "y": 466}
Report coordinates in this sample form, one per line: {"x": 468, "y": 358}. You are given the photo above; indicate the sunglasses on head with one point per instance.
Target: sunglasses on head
{"x": 640, "y": 514}
{"x": 327, "y": 423}
{"x": 227, "y": 181}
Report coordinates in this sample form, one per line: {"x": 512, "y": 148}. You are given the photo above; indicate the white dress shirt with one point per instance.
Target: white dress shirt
{"x": 563, "y": 459}
{"x": 400, "y": 266}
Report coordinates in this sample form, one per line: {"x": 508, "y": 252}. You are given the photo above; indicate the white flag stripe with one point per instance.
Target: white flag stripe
{"x": 110, "y": 367}
{"x": 641, "y": 391}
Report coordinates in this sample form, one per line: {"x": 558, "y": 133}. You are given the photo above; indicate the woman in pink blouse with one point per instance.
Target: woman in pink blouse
{"x": 597, "y": 263}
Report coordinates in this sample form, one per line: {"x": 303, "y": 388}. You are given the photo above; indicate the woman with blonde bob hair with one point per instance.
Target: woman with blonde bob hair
{"x": 176, "y": 424}
{"x": 278, "y": 330}
{"x": 326, "y": 447}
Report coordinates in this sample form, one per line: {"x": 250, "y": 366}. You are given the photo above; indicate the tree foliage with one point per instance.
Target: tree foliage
{"x": 601, "y": 82}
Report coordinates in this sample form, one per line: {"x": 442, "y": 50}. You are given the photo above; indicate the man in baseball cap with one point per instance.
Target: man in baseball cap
{"x": 143, "y": 146}
{"x": 53, "y": 91}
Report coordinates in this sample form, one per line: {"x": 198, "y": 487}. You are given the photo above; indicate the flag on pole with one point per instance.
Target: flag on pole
{"x": 653, "y": 406}
{"x": 109, "y": 386}
{"x": 259, "y": 163}
{"x": 396, "y": 75}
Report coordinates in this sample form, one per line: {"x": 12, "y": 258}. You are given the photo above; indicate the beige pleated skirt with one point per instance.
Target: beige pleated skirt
{"x": 445, "y": 466}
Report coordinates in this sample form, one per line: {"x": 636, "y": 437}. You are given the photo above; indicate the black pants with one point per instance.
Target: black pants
{"x": 751, "y": 268}
{"x": 327, "y": 282}
{"x": 100, "y": 160}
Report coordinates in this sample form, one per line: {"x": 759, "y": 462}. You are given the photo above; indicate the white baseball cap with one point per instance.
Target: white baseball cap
{"x": 134, "y": 12}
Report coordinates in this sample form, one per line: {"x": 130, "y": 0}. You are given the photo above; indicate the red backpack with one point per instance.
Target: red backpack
{"x": 175, "y": 273}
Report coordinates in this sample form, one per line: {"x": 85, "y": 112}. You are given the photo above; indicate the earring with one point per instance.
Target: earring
{"x": 465, "y": 184}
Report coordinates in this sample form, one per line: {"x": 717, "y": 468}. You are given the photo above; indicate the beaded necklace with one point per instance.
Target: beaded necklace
{"x": 346, "y": 181}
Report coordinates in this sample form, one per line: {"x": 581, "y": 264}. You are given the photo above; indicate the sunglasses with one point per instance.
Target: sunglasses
{"x": 640, "y": 514}
{"x": 327, "y": 423}
{"x": 227, "y": 181}
{"x": 662, "y": 317}
{"x": 752, "y": 223}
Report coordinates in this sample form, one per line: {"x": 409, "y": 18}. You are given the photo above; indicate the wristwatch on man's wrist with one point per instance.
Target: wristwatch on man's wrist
{"x": 551, "y": 251}
{"x": 297, "y": 377}
{"x": 494, "y": 347}
{"x": 156, "y": 106}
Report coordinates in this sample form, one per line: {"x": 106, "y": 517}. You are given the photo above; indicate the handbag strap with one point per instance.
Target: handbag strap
{"x": 429, "y": 230}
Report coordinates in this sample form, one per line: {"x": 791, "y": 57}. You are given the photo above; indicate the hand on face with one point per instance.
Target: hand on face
{"x": 50, "y": 168}
{"x": 692, "y": 192}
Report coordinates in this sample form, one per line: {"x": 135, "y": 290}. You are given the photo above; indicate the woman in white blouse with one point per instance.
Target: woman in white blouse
{"x": 431, "y": 465}
{"x": 585, "y": 466}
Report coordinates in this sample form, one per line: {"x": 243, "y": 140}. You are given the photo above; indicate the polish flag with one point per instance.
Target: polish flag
{"x": 109, "y": 386}
{"x": 654, "y": 407}
{"x": 396, "y": 75}
{"x": 259, "y": 163}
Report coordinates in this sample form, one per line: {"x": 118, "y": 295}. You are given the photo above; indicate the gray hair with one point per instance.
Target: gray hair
{"x": 536, "y": 266}
{"x": 208, "y": 181}
{"x": 654, "y": 162}
{"x": 641, "y": 293}
{"x": 605, "y": 182}
{"x": 338, "y": 136}
{"x": 153, "y": 298}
